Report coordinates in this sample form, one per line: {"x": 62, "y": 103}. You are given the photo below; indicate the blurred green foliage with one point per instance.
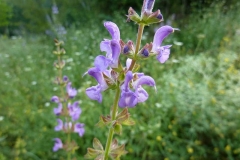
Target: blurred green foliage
{"x": 193, "y": 115}
{"x": 35, "y": 16}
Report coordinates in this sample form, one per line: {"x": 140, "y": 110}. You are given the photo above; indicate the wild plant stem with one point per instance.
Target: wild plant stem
{"x": 138, "y": 44}
{"x": 68, "y": 142}
{"x": 111, "y": 130}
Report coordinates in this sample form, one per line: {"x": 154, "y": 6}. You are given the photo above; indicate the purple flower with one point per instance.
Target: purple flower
{"x": 72, "y": 92}
{"x": 111, "y": 47}
{"x": 57, "y": 111}
{"x": 55, "y": 99}
{"x": 54, "y": 9}
{"x": 130, "y": 98}
{"x": 162, "y": 52}
{"x": 95, "y": 92}
{"x": 141, "y": 94}
{"x": 57, "y": 145}
{"x": 65, "y": 79}
{"x": 79, "y": 128}
{"x": 74, "y": 110}
{"x": 59, "y": 127}
{"x": 148, "y": 6}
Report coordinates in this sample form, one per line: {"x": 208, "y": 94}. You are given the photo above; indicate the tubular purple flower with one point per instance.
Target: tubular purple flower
{"x": 147, "y": 6}
{"x": 74, "y": 110}
{"x": 79, "y": 128}
{"x": 128, "y": 97}
{"x": 98, "y": 75}
{"x": 141, "y": 94}
{"x": 94, "y": 93}
{"x": 159, "y": 36}
{"x": 164, "y": 53}
{"x": 55, "y": 99}
{"x": 116, "y": 49}
{"x": 72, "y": 92}
{"x": 101, "y": 62}
{"x": 111, "y": 47}
{"x": 113, "y": 50}
{"x": 57, "y": 111}
{"x": 57, "y": 145}
{"x": 144, "y": 80}
{"x": 59, "y": 127}
{"x": 113, "y": 30}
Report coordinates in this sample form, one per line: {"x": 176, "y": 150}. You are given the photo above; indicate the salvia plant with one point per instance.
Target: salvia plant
{"x": 67, "y": 110}
{"x": 112, "y": 74}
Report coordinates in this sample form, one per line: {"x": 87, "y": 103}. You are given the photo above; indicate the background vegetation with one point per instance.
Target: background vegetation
{"x": 194, "y": 114}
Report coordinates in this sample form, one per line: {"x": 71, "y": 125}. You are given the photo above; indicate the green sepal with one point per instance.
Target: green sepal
{"x": 103, "y": 121}
{"x": 96, "y": 152}
{"x": 123, "y": 118}
{"x": 128, "y": 122}
{"x": 136, "y": 67}
{"x": 117, "y": 151}
{"x": 117, "y": 128}
{"x": 132, "y": 15}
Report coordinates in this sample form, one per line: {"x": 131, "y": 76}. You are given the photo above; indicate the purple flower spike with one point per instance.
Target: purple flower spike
{"x": 94, "y": 93}
{"x": 164, "y": 53}
{"x": 79, "y": 128}
{"x": 113, "y": 30}
{"x": 57, "y": 145}
{"x": 159, "y": 36}
{"x": 74, "y": 110}
{"x": 57, "y": 111}
{"x": 59, "y": 126}
{"x": 72, "y": 92}
{"x": 55, "y": 99}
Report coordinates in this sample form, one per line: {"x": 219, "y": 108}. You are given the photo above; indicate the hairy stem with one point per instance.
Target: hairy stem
{"x": 138, "y": 44}
{"x": 111, "y": 130}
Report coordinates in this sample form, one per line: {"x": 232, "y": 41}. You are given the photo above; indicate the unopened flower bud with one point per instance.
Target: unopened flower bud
{"x": 145, "y": 51}
{"x": 132, "y": 15}
{"x": 147, "y": 6}
{"x": 128, "y": 48}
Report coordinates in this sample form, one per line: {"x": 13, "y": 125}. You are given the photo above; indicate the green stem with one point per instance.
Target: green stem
{"x": 68, "y": 142}
{"x": 138, "y": 44}
{"x": 111, "y": 130}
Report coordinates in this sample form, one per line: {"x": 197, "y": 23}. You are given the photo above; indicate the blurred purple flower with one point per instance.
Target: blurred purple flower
{"x": 74, "y": 110}
{"x": 57, "y": 111}
{"x": 55, "y": 99}
{"x": 55, "y": 9}
{"x": 65, "y": 79}
{"x": 72, "y": 92}
{"x": 79, "y": 128}
{"x": 59, "y": 127}
{"x": 57, "y": 145}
